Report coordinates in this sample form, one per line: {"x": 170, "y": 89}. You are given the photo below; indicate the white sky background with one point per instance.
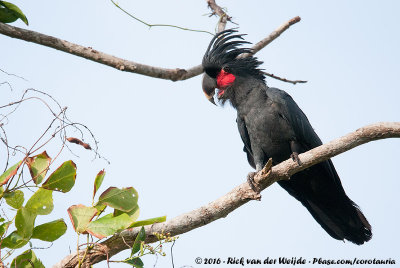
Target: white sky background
{"x": 180, "y": 152}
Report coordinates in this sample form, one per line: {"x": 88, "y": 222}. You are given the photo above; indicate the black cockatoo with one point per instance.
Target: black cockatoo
{"x": 271, "y": 125}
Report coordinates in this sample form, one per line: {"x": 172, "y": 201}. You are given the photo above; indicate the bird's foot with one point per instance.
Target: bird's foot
{"x": 253, "y": 186}
{"x": 295, "y": 157}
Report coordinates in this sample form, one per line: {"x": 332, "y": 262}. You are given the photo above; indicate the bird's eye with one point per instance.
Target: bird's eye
{"x": 227, "y": 69}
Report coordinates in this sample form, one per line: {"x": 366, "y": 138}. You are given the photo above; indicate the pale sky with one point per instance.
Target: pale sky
{"x": 180, "y": 152}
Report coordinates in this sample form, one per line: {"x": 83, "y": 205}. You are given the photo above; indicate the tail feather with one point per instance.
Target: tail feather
{"x": 319, "y": 189}
{"x": 344, "y": 222}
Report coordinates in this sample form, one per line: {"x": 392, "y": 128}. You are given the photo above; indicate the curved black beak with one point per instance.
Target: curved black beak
{"x": 209, "y": 85}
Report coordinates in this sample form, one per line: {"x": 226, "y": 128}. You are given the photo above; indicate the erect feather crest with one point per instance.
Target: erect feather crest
{"x": 223, "y": 52}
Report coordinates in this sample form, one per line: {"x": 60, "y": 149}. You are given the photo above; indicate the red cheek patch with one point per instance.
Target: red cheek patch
{"x": 224, "y": 79}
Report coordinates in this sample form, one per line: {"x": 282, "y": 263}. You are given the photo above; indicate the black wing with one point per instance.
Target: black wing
{"x": 303, "y": 131}
{"x": 319, "y": 188}
{"x": 246, "y": 140}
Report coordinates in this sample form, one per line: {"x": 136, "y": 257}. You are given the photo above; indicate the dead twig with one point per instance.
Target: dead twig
{"x": 294, "y": 82}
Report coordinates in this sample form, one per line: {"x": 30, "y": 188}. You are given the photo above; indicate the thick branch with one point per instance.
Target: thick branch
{"x": 119, "y": 63}
{"x": 239, "y": 195}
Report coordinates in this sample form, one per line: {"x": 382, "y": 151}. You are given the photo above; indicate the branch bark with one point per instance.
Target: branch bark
{"x": 119, "y": 63}
{"x": 238, "y": 196}
{"x": 223, "y": 17}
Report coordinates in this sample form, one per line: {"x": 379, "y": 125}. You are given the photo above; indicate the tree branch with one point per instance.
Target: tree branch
{"x": 119, "y": 63}
{"x": 275, "y": 34}
{"x": 294, "y": 82}
{"x": 239, "y": 195}
{"x": 223, "y": 17}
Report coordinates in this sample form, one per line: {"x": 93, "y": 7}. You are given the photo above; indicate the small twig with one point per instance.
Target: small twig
{"x": 294, "y": 82}
{"x": 20, "y": 77}
{"x": 51, "y": 244}
{"x": 7, "y": 83}
{"x": 223, "y": 17}
{"x": 158, "y": 25}
{"x": 172, "y": 255}
{"x": 155, "y": 263}
{"x": 99, "y": 245}
{"x": 5, "y": 141}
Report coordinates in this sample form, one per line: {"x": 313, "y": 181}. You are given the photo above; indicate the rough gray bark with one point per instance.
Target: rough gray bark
{"x": 238, "y": 196}
{"x": 119, "y": 63}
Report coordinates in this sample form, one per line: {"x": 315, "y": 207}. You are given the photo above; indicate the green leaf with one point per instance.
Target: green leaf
{"x": 1, "y": 192}
{"x": 7, "y": 16}
{"x": 24, "y": 222}
{"x": 13, "y": 241}
{"x": 100, "y": 208}
{"x": 4, "y": 227}
{"x": 38, "y": 166}
{"x": 98, "y": 181}
{"x": 134, "y": 213}
{"x": 135, "y": 262}
{"x": 124, "y": 199}
{"x": 148, "y": 221}
{"x": 10, "y": 13}
{"x": 108, "y": 225}
{"x": 50, "y": 231}
{"x": 139, "y": 238}
{"x": 80, "y": 216}
{"x": 63, "y": 178}
{"x": 41, "y": 202}
{"x": 15, "y": 199}
{"x": 9, "y": 173}
{"x": 27, "y": 259}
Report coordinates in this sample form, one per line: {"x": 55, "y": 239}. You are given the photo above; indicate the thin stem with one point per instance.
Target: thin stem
{"x": 158, "y": 25}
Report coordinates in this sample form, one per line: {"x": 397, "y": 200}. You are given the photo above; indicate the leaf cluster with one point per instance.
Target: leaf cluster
{"x": 40, "y": 203}
{"x": 123, "y": 202}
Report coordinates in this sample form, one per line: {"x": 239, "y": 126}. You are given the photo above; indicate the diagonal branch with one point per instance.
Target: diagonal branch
{"x": 239, "y": 195}
{"x": 119, "y": 63}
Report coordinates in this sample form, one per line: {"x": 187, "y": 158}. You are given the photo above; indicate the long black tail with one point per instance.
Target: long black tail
{"x": 319, "y": 189}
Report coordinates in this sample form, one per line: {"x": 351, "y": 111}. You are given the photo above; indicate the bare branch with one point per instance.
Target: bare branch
{"x": 294, "y": 82}
{"x": 20, "y": 77}
{"x": 240, "y": 194}
{"x": 223, "y": 17}
{"x": 119, "y": 63}
{"x": 275, "y": 34}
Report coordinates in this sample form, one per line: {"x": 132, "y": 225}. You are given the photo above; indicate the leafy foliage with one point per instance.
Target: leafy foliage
{"x": 27, "y": 260}
{"x": 124, "y": 202}
{"x": 140, "y": 248}
{"x": 18, "y": 221}
{"x": 10, "y": 13}
{"x": 38, "y": 166}
{"x": 40, "y": 203}
{"x": 50, "y": 231}
{"x": 126, "y": 211}
{"x": 63, "y": 178}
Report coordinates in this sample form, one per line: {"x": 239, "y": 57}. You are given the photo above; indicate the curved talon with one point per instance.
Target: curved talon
{"x": 295, "y": 157}
{"x": 252, "y": 183}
